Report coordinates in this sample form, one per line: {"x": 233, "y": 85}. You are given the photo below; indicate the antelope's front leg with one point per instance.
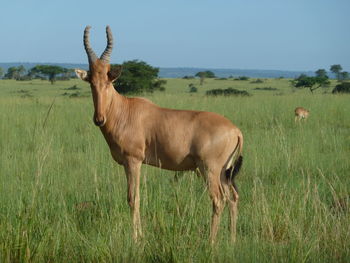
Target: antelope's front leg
{"x": 132, "y": 170}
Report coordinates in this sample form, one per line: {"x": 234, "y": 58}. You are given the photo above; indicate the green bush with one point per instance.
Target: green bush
{"x": 227, "y": 92}
{"x": 159, "y": 85}
{"x": 342, "y": 88}
{"x": 137, "y": 77}
{"x": 74, "y": 87}
{"x": 266, "y": 88}
{"x": 242, "y": 78}
{"x": 257, "y": 81}
{"x": 192, "y": 88}
{"x": 188, "y": 77}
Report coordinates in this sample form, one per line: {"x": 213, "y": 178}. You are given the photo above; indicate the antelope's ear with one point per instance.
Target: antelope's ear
{"x": 114, "y": 73}
{"x": 82, "y": 74}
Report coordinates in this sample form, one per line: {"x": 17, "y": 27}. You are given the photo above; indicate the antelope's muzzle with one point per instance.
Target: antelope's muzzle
{"x": 99, "y": 121}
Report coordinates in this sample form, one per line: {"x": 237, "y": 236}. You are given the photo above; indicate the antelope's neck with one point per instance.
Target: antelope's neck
{"x": 115, "y": 112}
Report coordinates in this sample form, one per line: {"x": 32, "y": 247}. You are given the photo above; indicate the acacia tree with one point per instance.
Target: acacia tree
{"x": 11, "y": 73}
{"x": 204, "y": 74}
{"x": 1, "y": 72}
{"x": 15, "y": 72}
{"x": 48, "y": 70}
{"x": 336, "y": 69}
{"x": 344, "y": 75}
{"x": 312, "y": 83}
{"x": 21, "y": 70}
{"x": 67, "y": 73}
{"x": 321, "y": 73}
{"x": 201, "y": 76}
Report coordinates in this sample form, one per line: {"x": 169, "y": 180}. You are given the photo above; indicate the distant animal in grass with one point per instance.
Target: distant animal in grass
{"x": 301, "y": 113}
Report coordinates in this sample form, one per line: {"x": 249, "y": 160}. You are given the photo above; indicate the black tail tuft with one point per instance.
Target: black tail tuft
{"x": 233, "y": 171}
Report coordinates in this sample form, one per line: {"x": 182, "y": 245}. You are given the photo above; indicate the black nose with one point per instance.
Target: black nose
{"x": 99, "y": 122}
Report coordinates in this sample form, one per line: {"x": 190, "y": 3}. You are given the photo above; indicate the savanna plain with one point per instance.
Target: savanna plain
{"x": 63, "y": 198}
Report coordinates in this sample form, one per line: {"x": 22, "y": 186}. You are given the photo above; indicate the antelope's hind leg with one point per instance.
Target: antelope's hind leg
{"x": 133, "y": 170}
{"x": 231, "y": 194}
{"x": 232, "y": 204}
{"x": 212, "y": 177}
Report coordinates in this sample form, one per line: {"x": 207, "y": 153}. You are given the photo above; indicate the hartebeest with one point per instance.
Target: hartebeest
{"x": 301, "y": 113}
{"x": 138, "y": 131}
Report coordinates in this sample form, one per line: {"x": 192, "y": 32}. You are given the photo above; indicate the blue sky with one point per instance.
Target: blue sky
{"x": 241, "y": 34}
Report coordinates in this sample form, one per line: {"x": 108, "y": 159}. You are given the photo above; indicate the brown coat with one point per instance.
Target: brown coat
{"x": 138, "y": 131}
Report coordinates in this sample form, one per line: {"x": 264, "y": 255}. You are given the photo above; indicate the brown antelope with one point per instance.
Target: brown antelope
{"x": 138, "y": 131}
{"x": 301, "y": 113}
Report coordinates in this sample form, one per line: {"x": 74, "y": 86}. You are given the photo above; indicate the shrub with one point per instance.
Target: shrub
{"x": 266, "y": 88}
{"x": 242, "y": 78}
{"x": 192, "y": 88}
{"x": 159, "y": 84}
{"x": 74, "y": 87}
{"x": 188, "y": 77}
{"x": 75, "y": 95}
{"x": 227, "y": 92}
{"x": 342, "y": 88}
{"x": 257, "y": 81}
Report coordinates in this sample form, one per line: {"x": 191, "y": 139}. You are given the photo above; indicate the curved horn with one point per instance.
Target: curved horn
{"x": 106, "y": 55}
{"x": 90, "y": 53}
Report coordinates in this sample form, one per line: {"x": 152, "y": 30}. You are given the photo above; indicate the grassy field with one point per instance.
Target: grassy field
{"x": 53, "y": 158}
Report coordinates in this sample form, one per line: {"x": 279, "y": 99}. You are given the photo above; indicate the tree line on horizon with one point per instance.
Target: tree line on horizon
{"x": 138, "y": 76}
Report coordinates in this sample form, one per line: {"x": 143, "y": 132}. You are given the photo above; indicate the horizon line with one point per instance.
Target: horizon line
{"x": 184, "y": 67}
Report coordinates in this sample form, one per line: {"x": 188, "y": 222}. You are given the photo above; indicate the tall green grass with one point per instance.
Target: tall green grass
{"x": 53, "y": 158}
